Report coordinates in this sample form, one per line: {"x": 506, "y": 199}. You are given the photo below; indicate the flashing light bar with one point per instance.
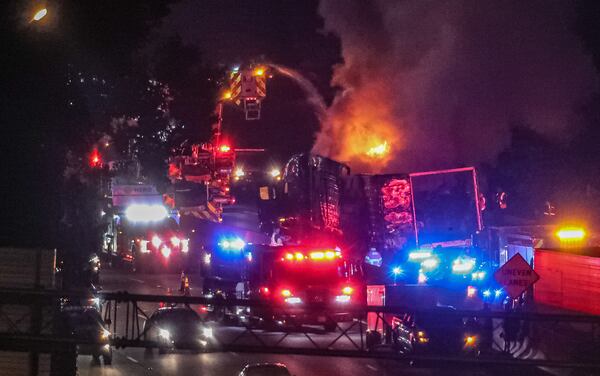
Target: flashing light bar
{"x": 315, "y": 255}
{"x": 293, "y": 300}
{"x": 156, "y": 242}
{"x": 571, "y": 233}
{"x": 146, "y": 213}
{"x": 236, "y": 244}
{"x": 342, "y": 298}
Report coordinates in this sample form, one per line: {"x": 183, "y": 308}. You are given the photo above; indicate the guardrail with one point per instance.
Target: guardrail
{"x": 371, "y": 331}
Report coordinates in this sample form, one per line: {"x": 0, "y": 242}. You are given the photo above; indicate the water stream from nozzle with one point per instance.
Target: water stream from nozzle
{"x": 312, "y": 94}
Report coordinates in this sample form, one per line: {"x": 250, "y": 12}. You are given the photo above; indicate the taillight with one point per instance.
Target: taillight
{"x": 264, "y": 290}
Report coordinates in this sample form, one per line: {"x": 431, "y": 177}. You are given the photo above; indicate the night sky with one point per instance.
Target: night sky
{"x": 117, "y": 47}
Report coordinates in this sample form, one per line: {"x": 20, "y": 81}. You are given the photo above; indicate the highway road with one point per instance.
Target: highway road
{"x": 137, "y": 361}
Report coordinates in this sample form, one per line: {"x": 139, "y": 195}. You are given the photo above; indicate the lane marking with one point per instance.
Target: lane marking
{"x": 372, "y": 368}
{"x": 130, "y": 358}
{"x": 136, "y": 280}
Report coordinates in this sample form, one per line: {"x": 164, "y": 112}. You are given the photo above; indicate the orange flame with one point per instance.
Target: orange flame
{"x": 379, "y": 151}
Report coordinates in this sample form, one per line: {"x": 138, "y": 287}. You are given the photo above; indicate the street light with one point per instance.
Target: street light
{"x": 39, "y": 15}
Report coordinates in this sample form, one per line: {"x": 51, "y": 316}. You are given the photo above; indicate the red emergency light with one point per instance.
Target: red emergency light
{"x": 224, "y": 148}
{"x": 95, "y": 159}
{"x": 317, "y": 255}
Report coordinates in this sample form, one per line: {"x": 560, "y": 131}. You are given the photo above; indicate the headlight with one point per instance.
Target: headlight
{"x": 175, "y": 241}
{"x": 163, "y": 333}
{"x": 105, "y": 334}
{"x": 156, "y": 242}
{"x": 207, "y": 332}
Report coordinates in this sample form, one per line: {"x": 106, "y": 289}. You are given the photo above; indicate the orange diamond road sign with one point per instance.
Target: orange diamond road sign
{"x": 516, "y": 276}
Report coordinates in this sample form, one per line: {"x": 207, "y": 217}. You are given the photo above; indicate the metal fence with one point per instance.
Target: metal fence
{"x": 368, "y": 331}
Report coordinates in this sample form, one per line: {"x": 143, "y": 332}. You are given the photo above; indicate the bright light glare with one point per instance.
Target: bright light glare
{"x": 379, "y": 150}
{"x": 40, "y": 14}
{"x": 226, "y": 95}
{"x": 419, "y": 255}
{"x": 347, "y": 290}
{"x": 275, "y": 172}
{"x": 422, "y": 278}
{"x": 225, "y": 148}
{"x": 185, "y": 245}
{"x": 430, "y": 263}
{"x": 299, "y": 256}
{"x": 175, "y": 241}
{"x": 146, "y": 213}
{"x": 207, "y": 257}
{"x": 463, "y": 265}
{"x": 259, "y": 71}
{"x": 570, "y": 233}
{"x": 487, "y": 293}
{"x": 166, "y": 251}
{"x": 471, "y": 291}
{"x": 293, "y": 300}
{"x": 317, "y": 255}
{"x": 470, "y": 340}
{"x": 164, "y": 334}
{"x": 397, "y": 270}
{"x": 239, "y": 172}
{"x": 156, "y": 242}
{"x": 342, "y": 298}
{"x": 105, "y": 334}
{"x": 238, "y": 244}
{"x": 286, "y": 293}
{"x": 207, "y": 332}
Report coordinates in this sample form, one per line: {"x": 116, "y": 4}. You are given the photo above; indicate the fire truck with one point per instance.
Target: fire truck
{"x": 141, "y": 231}
{"x": 312, "y": 284}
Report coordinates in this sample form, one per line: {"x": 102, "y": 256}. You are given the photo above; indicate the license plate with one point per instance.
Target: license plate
{"x": 321, "y": 319}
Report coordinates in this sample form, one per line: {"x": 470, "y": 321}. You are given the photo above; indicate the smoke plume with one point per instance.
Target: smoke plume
{"x": 427, "y": 84}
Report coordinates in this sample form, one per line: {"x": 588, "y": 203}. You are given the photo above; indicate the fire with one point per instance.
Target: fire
{"x": 379, "y": 151}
